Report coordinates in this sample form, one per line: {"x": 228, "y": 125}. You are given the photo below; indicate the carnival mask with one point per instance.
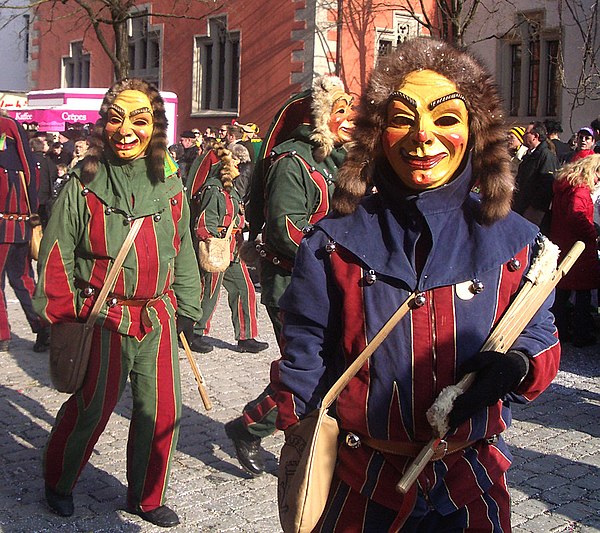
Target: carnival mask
{"x": 340, "y": 121}
{"x": 427, "y": 130}
{"x": 130, "y": 124}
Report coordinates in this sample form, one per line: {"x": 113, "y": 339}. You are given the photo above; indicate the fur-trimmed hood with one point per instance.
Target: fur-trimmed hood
{"x": 326, "y": 90}
{"x": 487, "y": 131}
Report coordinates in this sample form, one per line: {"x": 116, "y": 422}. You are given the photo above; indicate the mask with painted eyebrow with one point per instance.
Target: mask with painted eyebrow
{"x": 424, "y": 140}
{"x": 128, "y": 136}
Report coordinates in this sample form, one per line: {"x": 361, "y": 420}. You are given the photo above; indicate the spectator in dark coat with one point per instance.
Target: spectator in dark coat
{"x": 535, "y": 176}
{"x": 47, "y": 175}
{"x": 190, "y": 153}
{"x": 562, "y": 149}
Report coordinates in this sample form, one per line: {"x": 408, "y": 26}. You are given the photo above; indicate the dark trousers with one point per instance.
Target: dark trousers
{"x": 15, "y": 264}
{"x": 581, "y": 324}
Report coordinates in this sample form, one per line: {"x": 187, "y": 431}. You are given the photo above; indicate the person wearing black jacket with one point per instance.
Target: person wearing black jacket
{"x": 533, "y": 194}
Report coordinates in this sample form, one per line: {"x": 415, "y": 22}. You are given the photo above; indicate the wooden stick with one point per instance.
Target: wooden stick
{"x": 199, "y": 379}
{"x": 510, "y": 326}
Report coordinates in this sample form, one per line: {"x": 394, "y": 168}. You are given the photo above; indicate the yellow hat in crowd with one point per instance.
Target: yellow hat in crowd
{"x": 518, "y": 132}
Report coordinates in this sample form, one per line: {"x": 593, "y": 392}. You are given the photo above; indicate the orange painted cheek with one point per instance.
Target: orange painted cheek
{"x": 457, "y": 139}
{"x": 392, "y": 137}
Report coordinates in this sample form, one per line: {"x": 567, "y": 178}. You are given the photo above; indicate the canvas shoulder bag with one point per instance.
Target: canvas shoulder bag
{"x": 309, "y": 454}
{"x": 35, "y": 223}
{"x": 70, "y": 342}
{"x": 214, "y": 253}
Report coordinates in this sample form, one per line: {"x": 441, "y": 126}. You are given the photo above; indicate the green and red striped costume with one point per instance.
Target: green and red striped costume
{"x": 218, "y": 207}
{"x": 135, "y": 338}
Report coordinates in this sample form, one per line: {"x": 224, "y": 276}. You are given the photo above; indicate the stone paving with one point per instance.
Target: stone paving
{"x": 555, "y": 478}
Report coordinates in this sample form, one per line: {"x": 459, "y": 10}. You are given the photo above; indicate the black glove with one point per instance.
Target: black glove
{"x": 497, "y": 375}
{"x": 186, "y": 325}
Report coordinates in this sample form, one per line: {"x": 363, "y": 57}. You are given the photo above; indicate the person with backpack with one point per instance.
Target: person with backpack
{"x": 298, "y": 184}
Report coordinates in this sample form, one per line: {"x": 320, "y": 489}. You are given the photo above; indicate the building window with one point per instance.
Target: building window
{"x": 532, "y": 59}
{"x": 217, "y": 69}
{"x": 552, "y": 78}
{"x": 144, "y": 49}
{"x": 404, "y": 27}
{"x": 533, "y": 50}
{"x": 76, "y": 67}
{"x": 27, "y": 22}
{"x": 515, "y": 78}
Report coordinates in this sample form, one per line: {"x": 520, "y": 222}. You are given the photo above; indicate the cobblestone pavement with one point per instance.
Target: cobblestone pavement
{"x": 555, "y": 479}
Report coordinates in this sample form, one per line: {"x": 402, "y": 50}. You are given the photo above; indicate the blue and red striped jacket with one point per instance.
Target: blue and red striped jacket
{"x": 338, "y": 300}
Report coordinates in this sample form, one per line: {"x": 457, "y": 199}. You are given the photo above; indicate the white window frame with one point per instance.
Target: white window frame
{"x": 143, "y": 36}
{"x": 520, "y": 37}
{"x": 209, "y": 65}
{"x": 79, "y": 62}
{"x": 401, "y": 21}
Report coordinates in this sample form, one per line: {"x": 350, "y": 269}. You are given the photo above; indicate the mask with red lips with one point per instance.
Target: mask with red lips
{"x": 130, "y": 124}
{"x": 341, "y": 119}
{"x": 427, "y": 130}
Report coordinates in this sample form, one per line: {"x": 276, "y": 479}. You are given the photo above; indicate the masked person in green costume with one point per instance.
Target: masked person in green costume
{"x": 126, "y": 175}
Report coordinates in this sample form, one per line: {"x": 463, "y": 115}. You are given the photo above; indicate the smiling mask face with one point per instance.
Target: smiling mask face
{"x": 341, "y": 120}
{"x": 427, "y": 130}
{"x": 130, "y": 124}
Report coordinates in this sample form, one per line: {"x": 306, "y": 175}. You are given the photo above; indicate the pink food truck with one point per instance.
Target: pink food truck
{"x": 56, "y": 110}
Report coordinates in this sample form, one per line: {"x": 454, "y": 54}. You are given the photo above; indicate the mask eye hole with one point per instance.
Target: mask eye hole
{"x": 446, "y": 120}
{"x": 400, "y": 121}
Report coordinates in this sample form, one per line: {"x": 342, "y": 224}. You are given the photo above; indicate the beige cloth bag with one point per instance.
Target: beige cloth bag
{"x": 34, "y": 222}
{"x": 36, "y": 238}
{"x": 214, "y": 253}
{"x": 309, "y": 454}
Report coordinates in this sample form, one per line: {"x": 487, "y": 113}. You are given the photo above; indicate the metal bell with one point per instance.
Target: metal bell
{"x": 108, "y": 210}
{"x": 174, "y": 201}
{"x": 11, "y": 217}
{"x": 276, "y": 260}
{"x": 111, "y": 302}
{"x": 156, "y": 217}
{"x": 352, "y": 440}
{"x": 370, "y": 277}
{"x": 330, "y": 247}
{"x": 420, "y": 299}
{"x": 88, "y": 291}
{"x": 262, "y": 253}
{"x": 84, "y": 191}
{"x": 312, "y": 169}
{"x": 477, "y": 286}
{"x": 514, "y": 264}
{"x": 307, "y": 229}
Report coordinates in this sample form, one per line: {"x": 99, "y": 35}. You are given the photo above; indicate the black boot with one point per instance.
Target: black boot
{"x": 252, "y": 346}
{"x": 42, "y": 341}
{"x": 162, "y": 516}
{"x": 61, "y": 504}
{"x": 247, "y": 447}
{"x": 200, "y": 345}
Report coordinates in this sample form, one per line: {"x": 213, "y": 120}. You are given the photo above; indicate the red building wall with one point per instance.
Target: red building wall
{"x": 268, "y": 40}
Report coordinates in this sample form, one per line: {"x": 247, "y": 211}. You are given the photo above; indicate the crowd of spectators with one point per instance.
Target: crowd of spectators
{"x": 557, "y": 188}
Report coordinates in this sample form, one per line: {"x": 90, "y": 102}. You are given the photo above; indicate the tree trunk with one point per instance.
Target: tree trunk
{"x": 121, "y": 50}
